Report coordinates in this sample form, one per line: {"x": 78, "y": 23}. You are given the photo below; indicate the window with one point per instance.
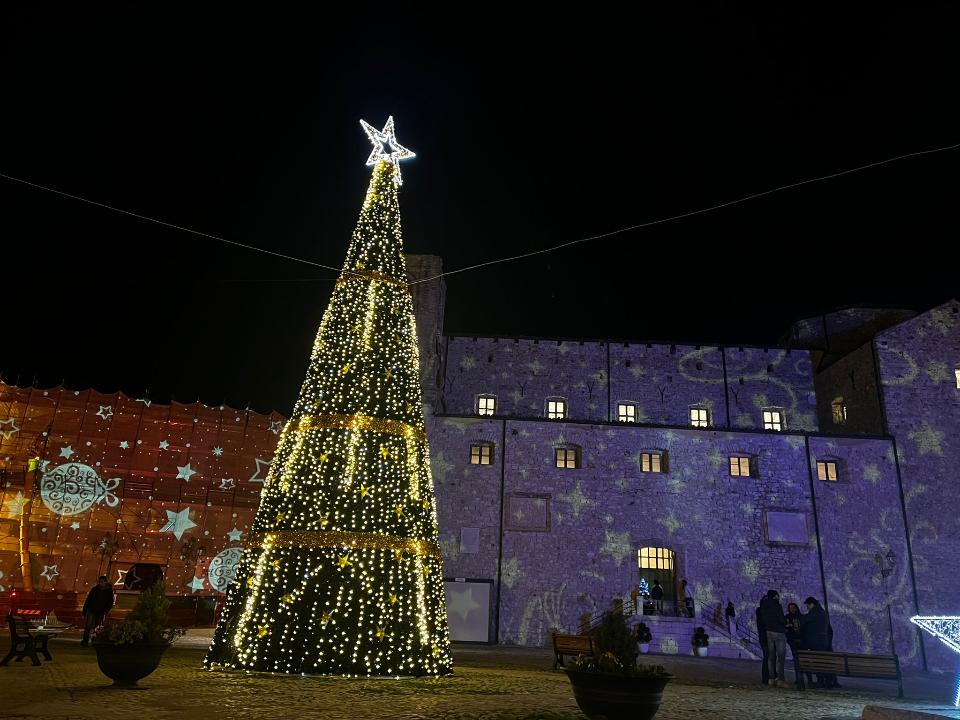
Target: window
{"x": 839, "y": 411}
{"x": 773, "y": 419}
{"x": 481, "y": 454}
{"x": 656, "y": 558}
{"x": 739, "y": 466}
{"x": 957, "y": 375}
{"x": 699, "y": 417}
{"x": 556, "y": 408}
{"x": 651, "y": 462}
{"x": 486, "y": 404}
{"x": 627, "y": 412}
{"x": 827, "y": 470}
{"x": 568, "y": 457}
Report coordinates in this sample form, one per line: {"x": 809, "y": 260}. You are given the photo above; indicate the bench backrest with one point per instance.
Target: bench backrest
{"x": 573, "y": 644}
{"x": 19, "y": 627}
{"x": 849, "y": 664}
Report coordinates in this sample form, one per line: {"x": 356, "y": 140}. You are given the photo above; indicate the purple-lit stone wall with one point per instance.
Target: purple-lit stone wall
{"x": 922, "y": 403}
{"x": 860, "y": 518}
{"x": 771, "y": 378}
{"x": 524, "y": 373}
{"x": 663, "y": 380}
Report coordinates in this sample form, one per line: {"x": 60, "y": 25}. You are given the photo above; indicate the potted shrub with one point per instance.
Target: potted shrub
{"x": 611, "y": 686}
{"x": 644, "y": 638}
{"x": 700, "y": 642}
{"x": 128, "y": 651}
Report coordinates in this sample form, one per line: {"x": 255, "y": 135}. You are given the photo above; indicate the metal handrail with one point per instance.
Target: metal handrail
{"x": 744, "y": 636}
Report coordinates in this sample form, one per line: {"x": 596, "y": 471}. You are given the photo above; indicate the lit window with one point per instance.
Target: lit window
{"x": 556, "y": 408}
{"x": 486, "y": 404}
{"x": 656, "y": 558}
{"x": 481, "y": 454}
{"x": 773, "y": 419}
{"x": 957, "y": 375}
{"x": 627, "y": 412}
{"x": 739, "y": 466}
{"x": 568, "y": 457}
{"x": 651, "y": 462}
{"x": 699, "y": 417}
{"x": 839, "y": 411}
{"x": 827, "y": 470}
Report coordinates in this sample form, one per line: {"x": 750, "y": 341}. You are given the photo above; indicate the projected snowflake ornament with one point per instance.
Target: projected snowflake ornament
{"x": 386, "y": 147}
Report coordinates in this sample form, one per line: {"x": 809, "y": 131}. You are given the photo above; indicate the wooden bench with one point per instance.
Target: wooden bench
{"x": 877, "y": 667}
{"x": 571, "y": 645}
{"x": 22, "y": 643}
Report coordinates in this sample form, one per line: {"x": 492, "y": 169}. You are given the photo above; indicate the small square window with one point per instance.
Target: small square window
{"x": 481, "y": 454}
{"x": 556, "y": 409}
{"x": 773, "y": 419}
{"x": 651, "y": 462}
{"x": 486, "y": 405}
{"x": 838, "y": 409}
{"x": 699, "y": 417}
{"x": 739, "y": 466}
{"x": 568, "y": 457}
{"x": 627, "y": 412}
{"x": 827, "y": 470}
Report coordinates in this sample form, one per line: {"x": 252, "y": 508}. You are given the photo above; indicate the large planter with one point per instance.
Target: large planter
{"x": 700, "y": 651}
{"x": 606, "y": 696}
{"x": 644, "y": 648}
{"x": 127, "y": 663}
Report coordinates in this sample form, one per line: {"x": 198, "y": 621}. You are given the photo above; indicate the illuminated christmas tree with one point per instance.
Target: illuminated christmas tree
{"x": 343, "y": 573}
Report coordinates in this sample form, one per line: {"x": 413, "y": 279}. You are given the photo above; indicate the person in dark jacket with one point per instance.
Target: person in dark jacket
{"x": 657, "y": 594}
{"x": 96, "y": 606}
{"x": 762, "y": 638}
{"x": 814, "y": 633}
{"x": 793, "y": 621}
{"x": 731, "y": 615}
{"x": 771, "y": 611}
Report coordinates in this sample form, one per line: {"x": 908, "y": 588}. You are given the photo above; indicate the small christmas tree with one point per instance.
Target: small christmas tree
{"x": 343, "y": 573}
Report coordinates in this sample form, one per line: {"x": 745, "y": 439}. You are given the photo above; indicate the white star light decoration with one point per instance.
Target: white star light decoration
{"x": 386, "y": 147}
{"x": 235, "y": 534}
{"x": 106, "y": 411}
{"x": 195, "y": 584}
{"x": 178, "y": 523}
{"x": 185, "y": 472}
{"x": 66, "y": 452}
{"x": 50, "y": 572}
{"x": 11, "y": 428}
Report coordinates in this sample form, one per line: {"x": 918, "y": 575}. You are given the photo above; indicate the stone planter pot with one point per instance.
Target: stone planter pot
{"x": 605, "y": 696}
{"x": 701, "y": 651}
{"x": 127, "y": 663}
{"x": 644, "y": 648}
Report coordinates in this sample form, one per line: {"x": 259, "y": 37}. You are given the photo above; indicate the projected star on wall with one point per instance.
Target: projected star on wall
{"x": 461, "y": 602}
{"x": 945, "y": 628}
{"x": 66, "y": 452}
{"x": 262, "y": 465}
{"x": 50, "y": 572}
{"x": 185, "y": 472}
{"x": 10, "y": 428}
{"x": 105, "y": 411}
{"x": 195, "y": 584}
{"x": 178, "y": 523}
{"x": 385, "y": 146}
{"x": 235, "y": 534}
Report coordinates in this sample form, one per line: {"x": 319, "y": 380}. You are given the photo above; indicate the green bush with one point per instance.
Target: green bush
{"x": 617, "y": 650}
{"x": 147, "y": 622}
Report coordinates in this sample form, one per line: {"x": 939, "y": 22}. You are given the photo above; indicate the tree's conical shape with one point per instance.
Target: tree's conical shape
{"x": 343, "y": 573}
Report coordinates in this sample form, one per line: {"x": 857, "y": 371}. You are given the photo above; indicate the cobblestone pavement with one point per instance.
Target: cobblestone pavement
{"x": 489, "y": 683}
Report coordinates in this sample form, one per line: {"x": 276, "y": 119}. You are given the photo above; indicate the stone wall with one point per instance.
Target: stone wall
{"x": 853, "y": 378}
{"x": 922, "y": 405}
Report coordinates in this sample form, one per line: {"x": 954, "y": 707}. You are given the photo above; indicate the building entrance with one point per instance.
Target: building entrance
{"x": 656, "y": 565}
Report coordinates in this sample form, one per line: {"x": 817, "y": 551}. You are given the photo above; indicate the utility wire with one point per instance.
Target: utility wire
{"x": 650, "y": 223}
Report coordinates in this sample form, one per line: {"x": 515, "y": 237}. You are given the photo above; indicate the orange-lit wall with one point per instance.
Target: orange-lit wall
{"x": 127, "y": 481}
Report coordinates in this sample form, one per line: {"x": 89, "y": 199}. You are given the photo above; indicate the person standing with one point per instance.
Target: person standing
{"x": 813, "y": 629}
{"x": 96, "y": 606}
{"x": 762, "y": 639}
{"x": 657, "y": 594}
{"x": 793, "y": 621}
{"x": 772, "y": 613}
{"x": 731, "y": 616}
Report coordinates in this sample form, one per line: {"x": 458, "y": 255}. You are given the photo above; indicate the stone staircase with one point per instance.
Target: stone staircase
{"x": 671, "y": 636}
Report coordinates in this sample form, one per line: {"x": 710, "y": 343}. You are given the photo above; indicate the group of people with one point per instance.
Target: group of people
{"x": 799, "y": 631}
{"x": 684, "y": 602}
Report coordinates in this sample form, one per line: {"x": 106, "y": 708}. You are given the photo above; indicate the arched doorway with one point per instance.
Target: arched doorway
{"x": 658, "y": 565}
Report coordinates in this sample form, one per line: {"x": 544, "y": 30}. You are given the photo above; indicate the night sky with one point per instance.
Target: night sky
{"x": 529, "y": 132}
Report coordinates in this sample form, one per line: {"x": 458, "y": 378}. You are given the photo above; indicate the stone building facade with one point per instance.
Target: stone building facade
{"x": 773, "y": 485}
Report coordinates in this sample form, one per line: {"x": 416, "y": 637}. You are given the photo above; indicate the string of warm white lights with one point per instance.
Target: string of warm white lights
{"x": 343, "y": 574}
{"x": 510, "y": 258}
